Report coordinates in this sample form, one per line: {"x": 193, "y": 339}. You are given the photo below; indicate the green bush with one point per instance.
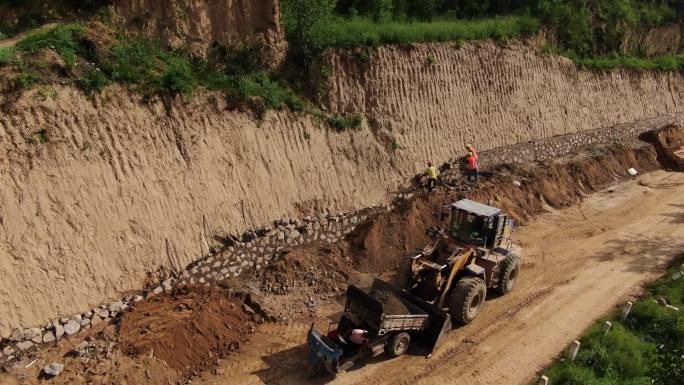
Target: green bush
{"x": 26, "y": 80}
{"x": 93, "y": 81}
{"x": 178, "y": 77}
{"x": 602, "y": 26}
{"x": 345, "y": 122}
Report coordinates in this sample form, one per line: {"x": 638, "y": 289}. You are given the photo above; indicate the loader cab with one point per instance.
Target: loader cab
{"x": 476, "y": 224}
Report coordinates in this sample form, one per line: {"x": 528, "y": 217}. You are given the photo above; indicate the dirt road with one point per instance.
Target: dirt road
{"x": 580, "y": 262}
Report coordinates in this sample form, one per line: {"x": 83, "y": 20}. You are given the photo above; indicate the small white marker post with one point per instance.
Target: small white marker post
{"x": 574, "y": 349}
{"x": 626, "y": 309}
{"x": 543, "y": 380}
{"x": 606, "y": 327}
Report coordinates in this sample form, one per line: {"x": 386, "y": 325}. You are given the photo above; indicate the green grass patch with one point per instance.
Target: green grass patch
{"x": 361, "y": 31}
{"x": 7, "y": 55}
{"x": 63, "y": 39}
{"x": 345, "y": 122}
{"x": 662, "y": 63}
{"x": 647, "y": 348}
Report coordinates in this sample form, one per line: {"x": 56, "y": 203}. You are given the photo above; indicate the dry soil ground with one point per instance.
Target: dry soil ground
{"x": 579, "y": 263}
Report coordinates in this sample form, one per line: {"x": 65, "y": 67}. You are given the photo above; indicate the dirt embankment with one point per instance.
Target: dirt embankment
{"x": 669, "y": 144}
{"x": 199, "y": 25}
{"x": 174, "y": 337}
{"x": 167, "y": 340}
{"x": 485, "y": 93}
{"x": 98, "y": 193}
{"x": 379, "y": 245}
{"x": 189, "y": 330}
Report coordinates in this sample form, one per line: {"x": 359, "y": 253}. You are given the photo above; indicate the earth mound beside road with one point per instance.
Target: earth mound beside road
{"x": 189, "y": 330}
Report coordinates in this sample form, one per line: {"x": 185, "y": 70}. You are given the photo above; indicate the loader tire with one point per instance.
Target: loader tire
{"x": 398, "y": 344}
{"x": 508, "y": 276}
{"x": 467, "y": 299}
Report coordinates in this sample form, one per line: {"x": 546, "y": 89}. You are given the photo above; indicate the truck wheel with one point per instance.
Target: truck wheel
{"x": 398, "y": 344}
{"x": 467, "y": 299}
{"x": 510, "y": 268}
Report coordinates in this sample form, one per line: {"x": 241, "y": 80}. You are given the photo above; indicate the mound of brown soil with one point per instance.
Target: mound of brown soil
{"x": 320, "y": 268}
{"x": 189, "y": 331}
{"x": 378, "y": 245}
{"x": 668, "y": 142}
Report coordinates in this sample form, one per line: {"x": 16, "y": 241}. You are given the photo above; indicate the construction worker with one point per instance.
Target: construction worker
{"x": 431, "y": 174}
{"x": 472, "y": 166}
{"x": 359, "y": 336}
{"x": 471, "y": 148}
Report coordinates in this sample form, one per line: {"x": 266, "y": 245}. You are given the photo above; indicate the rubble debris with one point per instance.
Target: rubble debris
{"x": 54, "y": 369}
{"x": 391, "y": 303}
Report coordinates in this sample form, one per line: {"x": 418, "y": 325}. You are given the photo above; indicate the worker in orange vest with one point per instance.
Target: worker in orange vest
{"x": 472, "y": 166}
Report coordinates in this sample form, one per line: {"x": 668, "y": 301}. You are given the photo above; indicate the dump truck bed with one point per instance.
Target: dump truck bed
{"x": 370, "y": 311}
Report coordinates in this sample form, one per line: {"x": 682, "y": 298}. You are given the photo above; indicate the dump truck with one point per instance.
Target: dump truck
{"x": 446, "y": 281}
{"x": 390, "y": 328}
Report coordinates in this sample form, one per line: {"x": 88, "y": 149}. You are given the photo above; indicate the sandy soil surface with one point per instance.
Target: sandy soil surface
{"x": 579, "y": 263}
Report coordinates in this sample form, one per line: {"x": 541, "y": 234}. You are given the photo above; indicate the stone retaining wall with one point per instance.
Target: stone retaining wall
{"x": 558, "y": 146}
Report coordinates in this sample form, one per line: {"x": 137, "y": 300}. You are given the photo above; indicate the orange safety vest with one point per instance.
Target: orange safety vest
{"x": 472, "y": 162}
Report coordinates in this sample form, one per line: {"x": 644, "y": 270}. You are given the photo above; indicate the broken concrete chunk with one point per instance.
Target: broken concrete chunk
{"x": 17, "y": 335}
{"x": 115, "y": 307}
{"x": 54, "y": 369}
{"x": 31, "y": 333}
{"x": 167, "y": 285}
{"x": 8, "y": 351}
{"x": 84, "y": 322}
{"x": 103, "y": 313}
{"x": 71, "y": 328}
{"x": 59, "y": 329}
{"x": 49, "y": 337}
{"x": 24, "y": 345}
{"x": 96, "y": 320}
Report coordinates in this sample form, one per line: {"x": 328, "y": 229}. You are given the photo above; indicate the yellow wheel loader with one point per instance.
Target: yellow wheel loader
{"x": 471, "y": 254}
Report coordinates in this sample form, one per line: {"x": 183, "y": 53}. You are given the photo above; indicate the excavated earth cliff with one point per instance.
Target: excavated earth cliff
{"x": 200, "y": 24}
{"x": 97, "y": 194}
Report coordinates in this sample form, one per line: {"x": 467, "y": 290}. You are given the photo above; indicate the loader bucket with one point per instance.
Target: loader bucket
{"x": 439, "y": 322}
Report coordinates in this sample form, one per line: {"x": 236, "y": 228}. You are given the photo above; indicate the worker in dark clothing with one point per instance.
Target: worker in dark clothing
{"x": 431, "y": 174}
{"x": 472, "y": 166}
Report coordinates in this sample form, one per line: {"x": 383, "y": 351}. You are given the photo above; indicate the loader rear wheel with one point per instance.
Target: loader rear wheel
{"x": 467, "y": 299}
{"x": 398, "y": 344}
{"x": 510, "y": 268}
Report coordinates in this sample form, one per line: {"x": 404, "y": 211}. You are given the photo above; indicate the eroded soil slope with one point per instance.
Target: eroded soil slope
{"x": 97, "y": 194}
{"x": 620, "y": 236}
